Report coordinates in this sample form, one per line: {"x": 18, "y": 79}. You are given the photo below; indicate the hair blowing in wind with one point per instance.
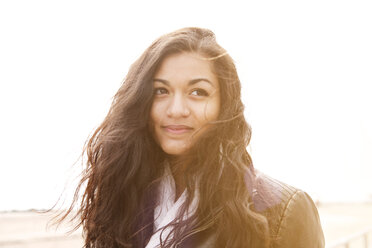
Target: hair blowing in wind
{"x": 125, "y": 164}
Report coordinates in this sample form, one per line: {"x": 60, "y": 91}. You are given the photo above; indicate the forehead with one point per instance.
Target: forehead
{"x": 187, "y": 66}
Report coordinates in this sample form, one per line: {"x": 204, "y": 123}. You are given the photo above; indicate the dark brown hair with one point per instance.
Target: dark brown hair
{"x": 124, "y": 164}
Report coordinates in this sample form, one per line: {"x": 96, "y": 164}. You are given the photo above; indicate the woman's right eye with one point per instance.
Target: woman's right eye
{"x": 160, "y": 91}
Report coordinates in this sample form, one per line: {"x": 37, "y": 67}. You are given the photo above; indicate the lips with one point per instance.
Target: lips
{"x": 177, "y": 129}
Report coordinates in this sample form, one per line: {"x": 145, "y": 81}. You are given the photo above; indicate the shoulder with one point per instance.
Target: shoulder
{"x": 292, "y": 215}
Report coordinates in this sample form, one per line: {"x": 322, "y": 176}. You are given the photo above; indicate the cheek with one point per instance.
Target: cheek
{"x": 152, "y": 121}
{"x": 155, "y": 113}
{"x": 212, "y": 110}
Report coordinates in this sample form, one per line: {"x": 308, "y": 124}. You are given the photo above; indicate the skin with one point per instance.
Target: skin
{"x": 186, "y": 99}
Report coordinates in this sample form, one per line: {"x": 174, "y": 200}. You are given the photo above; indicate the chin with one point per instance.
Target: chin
{"x": 175, "y": 152}
{"x": 175, "y": 149}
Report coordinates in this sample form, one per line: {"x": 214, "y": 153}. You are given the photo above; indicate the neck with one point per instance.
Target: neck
{"x": 177, "y": 165}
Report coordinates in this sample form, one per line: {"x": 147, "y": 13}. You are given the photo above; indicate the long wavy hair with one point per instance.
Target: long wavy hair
{"x": 124, "y": 164}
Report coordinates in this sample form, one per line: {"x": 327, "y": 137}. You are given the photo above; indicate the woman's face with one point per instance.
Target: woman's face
{"x": 186, "y": 98}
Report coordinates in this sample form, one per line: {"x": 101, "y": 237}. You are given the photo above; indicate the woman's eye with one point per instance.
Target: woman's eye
{"x": 199, "y": 92}
{"x": 160, "y": 91}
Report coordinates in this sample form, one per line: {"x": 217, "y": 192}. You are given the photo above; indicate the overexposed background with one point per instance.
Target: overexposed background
{"x": 305, "y": 68}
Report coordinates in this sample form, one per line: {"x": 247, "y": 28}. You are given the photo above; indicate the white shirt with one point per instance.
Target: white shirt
{"x": 167, "y": 209}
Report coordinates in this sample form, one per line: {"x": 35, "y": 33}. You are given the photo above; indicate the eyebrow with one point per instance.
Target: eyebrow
{"x": 191, "y": 82}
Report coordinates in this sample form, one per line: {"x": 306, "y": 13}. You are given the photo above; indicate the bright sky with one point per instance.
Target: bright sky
{"x": 305, "y": 66}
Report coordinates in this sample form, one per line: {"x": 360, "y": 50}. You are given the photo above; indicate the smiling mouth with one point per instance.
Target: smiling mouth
{"x": 177, "y": 129}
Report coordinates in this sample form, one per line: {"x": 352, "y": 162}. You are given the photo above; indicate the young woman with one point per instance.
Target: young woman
{"x": 168, "y": 167}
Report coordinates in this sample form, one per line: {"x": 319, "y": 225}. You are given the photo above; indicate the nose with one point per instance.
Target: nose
{"x": 178, "y": 107}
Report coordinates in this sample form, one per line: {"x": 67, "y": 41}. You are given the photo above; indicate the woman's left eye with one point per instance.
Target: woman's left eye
{"x": 199, "y": 92}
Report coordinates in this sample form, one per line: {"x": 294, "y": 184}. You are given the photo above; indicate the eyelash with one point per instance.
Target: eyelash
{"x": 199, "y": 92}
{"x": 157, "y": 91}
